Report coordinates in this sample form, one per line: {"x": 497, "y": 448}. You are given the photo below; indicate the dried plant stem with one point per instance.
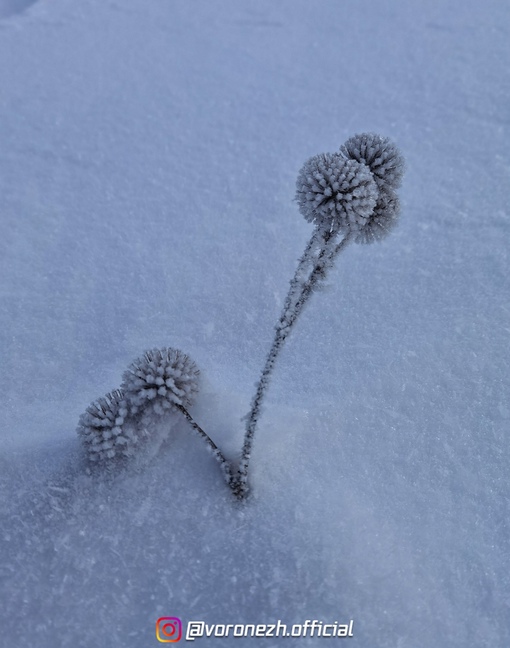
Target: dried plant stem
{"x": 299, "y": 293}
{"x": 306, "y": 263}
{"x": 218, "y": 455}
{"x": 318, "y": 273}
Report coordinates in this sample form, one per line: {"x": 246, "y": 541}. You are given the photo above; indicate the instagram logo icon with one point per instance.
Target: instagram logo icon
{"x": 168, "y": 629}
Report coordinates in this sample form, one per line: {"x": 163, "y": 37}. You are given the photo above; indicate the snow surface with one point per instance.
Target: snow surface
{"x": 148, "y": 158}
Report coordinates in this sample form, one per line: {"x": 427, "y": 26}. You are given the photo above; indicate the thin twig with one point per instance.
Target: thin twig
{"x": 220, "y": 458}
{"x": 315, "y": 276}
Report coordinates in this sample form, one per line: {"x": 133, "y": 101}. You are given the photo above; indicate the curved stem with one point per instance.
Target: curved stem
{"x": 218, "y": 455}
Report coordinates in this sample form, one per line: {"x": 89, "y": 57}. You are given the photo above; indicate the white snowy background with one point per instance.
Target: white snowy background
{"x": 148, "y": 156}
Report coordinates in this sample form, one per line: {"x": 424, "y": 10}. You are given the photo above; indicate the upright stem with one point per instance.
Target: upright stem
{"x": 298, "y": 295}
{"x": 315, "y": 276}
{"x": 252, "y": 419}
{"x": 316, "y": 242}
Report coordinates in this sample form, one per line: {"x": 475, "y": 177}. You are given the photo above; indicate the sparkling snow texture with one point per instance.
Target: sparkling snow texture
{"x": 148, "y": 158}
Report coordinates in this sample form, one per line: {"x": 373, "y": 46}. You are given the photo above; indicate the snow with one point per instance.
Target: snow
{"x": 148, "y": 160}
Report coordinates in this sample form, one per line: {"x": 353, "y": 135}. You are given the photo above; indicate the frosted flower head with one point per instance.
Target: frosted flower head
{"x": 383, "y": 220}
{"x": 336, "y": 193}
{"x": 380, "y": 155}
{"x": 159, "y": 380}
{"x": 101, "y": 428}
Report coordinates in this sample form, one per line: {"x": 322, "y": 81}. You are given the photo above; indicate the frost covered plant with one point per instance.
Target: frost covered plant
{"x": 335, "y": 193}
{"x": 159, "y": 382}
{"x": 101, "y": 428}
{"x": 348, "y": 194}
{"x": 387, "y": 167}
{"x": 380, "y": 155}
{"x": 165, "y": 380}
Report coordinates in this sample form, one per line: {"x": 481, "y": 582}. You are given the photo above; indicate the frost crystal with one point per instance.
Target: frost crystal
{"x": 101, "y": 428}
{"x": 336, "y": 193}
{"x": 383, "y": 220}
{"x": 387, "y": 166}
{"x": 160, "y": 380}
{"x": 380, "y": 155}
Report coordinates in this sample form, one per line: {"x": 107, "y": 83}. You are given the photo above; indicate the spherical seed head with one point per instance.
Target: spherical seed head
{"x": 380, "y": 155}
{"x": 336, "y": 193}
{"x": 383, "y": 219}
{"x": 160, "y": 380}
{"x": 101, "y": 428}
